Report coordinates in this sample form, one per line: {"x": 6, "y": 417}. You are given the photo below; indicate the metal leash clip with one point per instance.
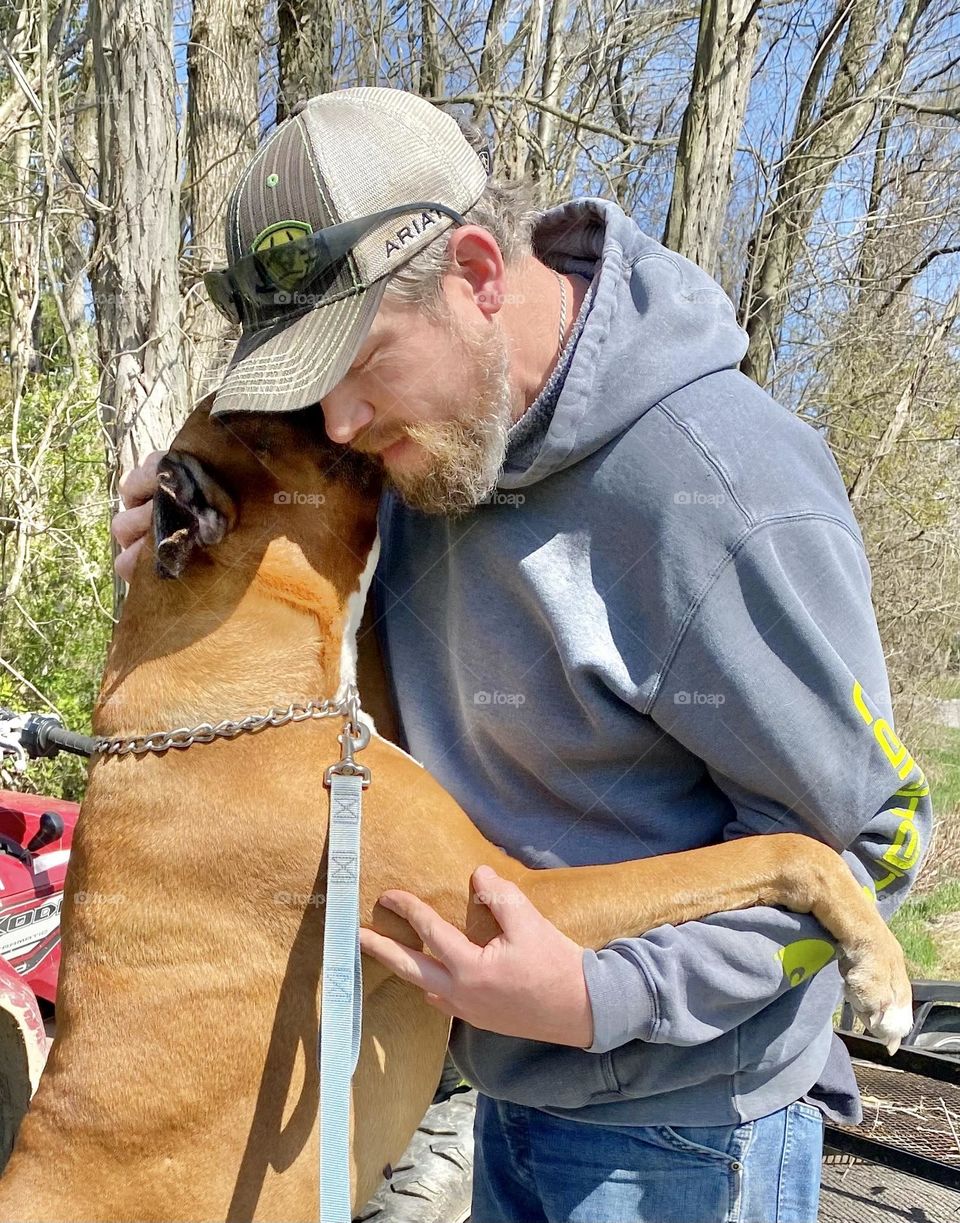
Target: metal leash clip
{"x": 353, "y": 738}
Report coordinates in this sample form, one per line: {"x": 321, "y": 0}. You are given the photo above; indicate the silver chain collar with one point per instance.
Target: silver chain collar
{"x": 206, "y": 732}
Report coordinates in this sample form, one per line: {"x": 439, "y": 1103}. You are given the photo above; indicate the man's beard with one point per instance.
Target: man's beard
{"x": 464, "y": 454}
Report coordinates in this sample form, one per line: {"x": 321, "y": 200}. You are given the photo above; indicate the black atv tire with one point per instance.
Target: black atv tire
{"x": 432, "y": 1181}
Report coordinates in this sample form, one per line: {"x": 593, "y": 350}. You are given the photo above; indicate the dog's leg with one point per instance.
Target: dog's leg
{"x": 402, "y": 1046}
{"x": 594, "y": 904}
{"x": 789, "y": 870}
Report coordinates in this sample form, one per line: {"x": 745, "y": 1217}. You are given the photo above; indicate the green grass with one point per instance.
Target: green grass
{"x": 940, "y": 757}
{"x": 932, "y": 948}
{"x": 912, "y": 925}
{"x": 921, "y": 952}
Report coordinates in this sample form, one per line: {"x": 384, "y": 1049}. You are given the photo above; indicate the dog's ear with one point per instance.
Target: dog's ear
{"x": 190, "y": 510}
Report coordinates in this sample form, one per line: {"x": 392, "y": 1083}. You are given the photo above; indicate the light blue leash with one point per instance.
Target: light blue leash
{"x": 341, "y": 992}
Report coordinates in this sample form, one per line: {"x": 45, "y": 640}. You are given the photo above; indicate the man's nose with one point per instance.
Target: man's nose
{"x": 345, "y": 415}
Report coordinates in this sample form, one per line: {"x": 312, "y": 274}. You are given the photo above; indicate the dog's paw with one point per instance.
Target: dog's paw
{"x": 878, "y": 988}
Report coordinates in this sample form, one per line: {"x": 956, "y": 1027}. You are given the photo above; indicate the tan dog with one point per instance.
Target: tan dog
{"x": 182, "y": 1084}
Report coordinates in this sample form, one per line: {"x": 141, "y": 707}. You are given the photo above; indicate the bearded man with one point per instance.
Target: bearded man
{"x": 625, "y": 610}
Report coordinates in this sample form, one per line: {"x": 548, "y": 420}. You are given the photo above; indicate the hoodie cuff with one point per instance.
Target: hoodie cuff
{"x": 621, "y": 998}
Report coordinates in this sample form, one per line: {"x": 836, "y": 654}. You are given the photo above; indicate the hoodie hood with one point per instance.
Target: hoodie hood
{"x": 657, "y": 323}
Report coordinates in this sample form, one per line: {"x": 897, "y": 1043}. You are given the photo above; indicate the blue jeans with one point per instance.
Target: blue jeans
{"x": 531, "y": 1167}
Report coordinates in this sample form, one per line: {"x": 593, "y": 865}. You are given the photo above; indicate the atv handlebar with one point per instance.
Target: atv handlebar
{"x": 39, "y": 735}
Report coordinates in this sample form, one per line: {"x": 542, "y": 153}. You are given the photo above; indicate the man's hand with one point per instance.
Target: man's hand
{"x": 131, "y": 525}
{"x": 527, "y": 981}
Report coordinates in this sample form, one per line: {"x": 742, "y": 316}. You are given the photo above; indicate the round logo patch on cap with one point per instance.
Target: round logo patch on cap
{"x": 278, "y": 234}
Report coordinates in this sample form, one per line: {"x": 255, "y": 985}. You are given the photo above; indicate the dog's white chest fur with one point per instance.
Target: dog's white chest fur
{"x": 348, "y": 648}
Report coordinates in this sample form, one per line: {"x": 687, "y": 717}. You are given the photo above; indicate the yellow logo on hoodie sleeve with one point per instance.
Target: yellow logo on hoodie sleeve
{"x": 905, "y": 849}
{"x": 803, "y": 958}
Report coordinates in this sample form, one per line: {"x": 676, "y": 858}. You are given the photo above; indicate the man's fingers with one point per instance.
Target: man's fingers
{"x": 129, "y": 529}
{"x": 405, "y": 963}
{"x": 126, "y": 562}
{"x": 438, "y": 936}
{"x": 139, "y": 485}
{"x": 131, "y": 525}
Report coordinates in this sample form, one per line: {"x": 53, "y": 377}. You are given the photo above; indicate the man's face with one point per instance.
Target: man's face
{"x": 432, "y": 400}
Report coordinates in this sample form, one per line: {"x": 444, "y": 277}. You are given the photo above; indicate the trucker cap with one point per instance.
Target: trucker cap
{"x": 339, "y": 157}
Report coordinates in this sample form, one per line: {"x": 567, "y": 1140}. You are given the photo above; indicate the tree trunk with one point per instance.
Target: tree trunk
{"x": 727, "y": 43}
{"x": 866, "y": 282}
{"x": 304, "y": 51}
{"x": 222, "y": 130}
{"x": 74, "y": 244}
{"x": 489, "y": 71}
{"x": 517, "y": 150}
{"x": 142, "y": 388}
{"x": 431, "y": 68}
{"x": 551, "y": 92}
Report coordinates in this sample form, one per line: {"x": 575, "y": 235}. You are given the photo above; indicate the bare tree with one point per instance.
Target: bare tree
{"x": 304, "y": 51}
{"x": 551, "y": 91}
{"x": 833, "y": 114}
{"x": 431, "y": 66}
{"x": 222, "y": 130}
{"x": 20, "y": 282}
{"x": 727, "y": 41}
{"x": 906, "y": 401}
{"x": 136, "y": 288}
{"x": 73, "y": 245}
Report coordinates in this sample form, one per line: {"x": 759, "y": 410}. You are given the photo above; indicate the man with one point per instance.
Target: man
{"x": 625, "y": 610}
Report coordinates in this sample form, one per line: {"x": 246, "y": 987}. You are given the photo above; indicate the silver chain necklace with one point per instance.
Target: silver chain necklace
{"x": 563, "y": 311}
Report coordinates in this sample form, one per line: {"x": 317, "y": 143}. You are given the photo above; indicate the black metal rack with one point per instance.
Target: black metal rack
{"x": 916, "y": 1111}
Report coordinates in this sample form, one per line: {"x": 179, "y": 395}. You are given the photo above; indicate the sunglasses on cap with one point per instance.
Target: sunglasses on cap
{"x": 294, "y": 277}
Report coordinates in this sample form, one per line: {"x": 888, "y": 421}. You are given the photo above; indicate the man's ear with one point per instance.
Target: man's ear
{"x": 190, "y": 510}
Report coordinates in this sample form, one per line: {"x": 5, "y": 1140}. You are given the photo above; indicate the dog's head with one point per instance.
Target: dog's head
{"x": 255, "y": 466}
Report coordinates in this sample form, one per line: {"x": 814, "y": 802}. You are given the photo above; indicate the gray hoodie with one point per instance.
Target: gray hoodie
{"x": 657, "y": 634}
